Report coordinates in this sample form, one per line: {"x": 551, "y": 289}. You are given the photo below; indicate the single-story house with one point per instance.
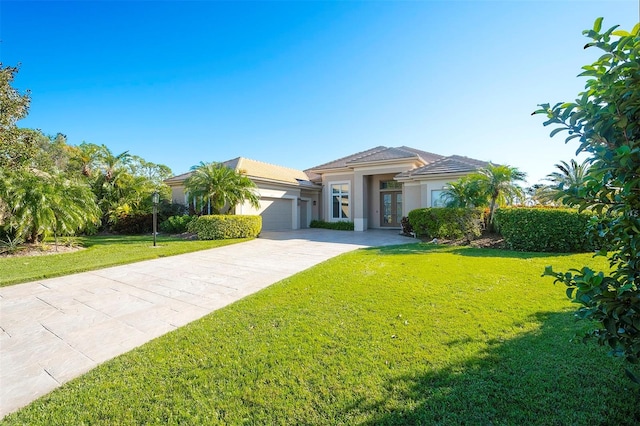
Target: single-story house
{"x": 373, "y": 188}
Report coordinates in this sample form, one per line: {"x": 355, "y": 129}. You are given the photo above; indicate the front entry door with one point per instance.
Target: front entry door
{"x": 391, "y": 209}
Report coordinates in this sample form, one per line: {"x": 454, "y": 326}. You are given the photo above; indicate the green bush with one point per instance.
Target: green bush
{"x": 176, "y": 224}
{"x": 220, "y": 227}
{"x": 545, "y": 230}
{"x": 339, "y": 226}
{"x": 134, "y": 224}
{"x": 447, "y": 222}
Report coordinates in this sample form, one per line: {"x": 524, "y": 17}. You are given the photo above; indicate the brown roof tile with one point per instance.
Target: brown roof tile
{"x": 451, "y": 164}
{"x": 255, "y": 169}
{"x": 379, "y": 153}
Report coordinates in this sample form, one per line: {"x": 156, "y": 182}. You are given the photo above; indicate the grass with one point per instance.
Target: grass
{"x": 394, "y": 336}
{"x": 100, "y": 252}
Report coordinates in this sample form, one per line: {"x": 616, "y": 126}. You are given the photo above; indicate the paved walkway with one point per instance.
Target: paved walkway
{"x": 54, "y": 330}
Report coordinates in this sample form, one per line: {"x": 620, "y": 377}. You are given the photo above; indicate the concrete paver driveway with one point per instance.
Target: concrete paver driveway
{"x": 56, "y": 329}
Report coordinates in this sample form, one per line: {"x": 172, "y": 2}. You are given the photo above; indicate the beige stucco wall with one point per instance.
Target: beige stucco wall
{"x": 418, "y": 194}
{"x": 327, "y": 180}
{"x": 271, "y": 190}
{"x": 313, "y": 198}
{"x": 374, "y": 197}
{"x": 178, "y": 195}
{"x": 412, "y": 197}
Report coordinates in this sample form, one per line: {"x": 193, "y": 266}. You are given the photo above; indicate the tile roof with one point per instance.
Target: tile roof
{"x": 451, "y": 164}
{"x": 379, "y": 153}
{"x": 256, "y": 169}
{"x": 261, "y": 170}
{"x": 342, "y": 162}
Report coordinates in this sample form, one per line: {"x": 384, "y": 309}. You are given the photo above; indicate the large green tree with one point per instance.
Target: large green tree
{"x": 605, "y": 119}
{"x": 214, "y": 187}
{"x": 17, "y": 147}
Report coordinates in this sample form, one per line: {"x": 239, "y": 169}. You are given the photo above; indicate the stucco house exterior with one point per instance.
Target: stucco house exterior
{"x": 373, "y": 188}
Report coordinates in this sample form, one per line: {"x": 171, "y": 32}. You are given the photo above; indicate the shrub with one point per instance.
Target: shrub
{"x": 604, "y": 119}
{"x": 176, "y": 224}
{"x": 167, "y": 209}
{"x": 407, "y": 229}
{"x": 11, "y": 245}
{"x": 447, "y": 222}
{"x": 545, "y": 230}
{"x": 220, "y": 227}
{"x": 339, "y": 226}
{"x": 134, "y": 224}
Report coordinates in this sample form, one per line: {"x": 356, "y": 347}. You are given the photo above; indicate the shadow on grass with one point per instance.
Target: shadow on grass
{"x": 98, "y": 240}
{"x": 539, "y": 378}
{"x": 424, "y": 248}
{"x": 510, "y": 254}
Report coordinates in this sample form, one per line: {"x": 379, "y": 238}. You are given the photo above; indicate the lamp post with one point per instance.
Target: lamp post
{"x": 155, "y": 198}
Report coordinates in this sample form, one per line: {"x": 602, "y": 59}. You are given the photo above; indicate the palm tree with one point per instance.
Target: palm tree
{"x": 41, "y": 204}
{"x": 499, "y": 183}
{"x": 570, "y": 177}
{"x": 86, "y": 155}
{"x": 465, "y": 192}
{"x": 110, "y": 163}
{"x": 217, "y": 186}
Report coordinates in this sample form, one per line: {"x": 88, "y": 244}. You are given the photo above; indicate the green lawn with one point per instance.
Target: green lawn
{"x": 100, "y": 252}
{"x": 411, "y": 334}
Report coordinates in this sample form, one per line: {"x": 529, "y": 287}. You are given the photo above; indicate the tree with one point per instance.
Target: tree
{"x": 40, "y": 204}
{"x": 605, "y": 119}
{"x": 570, "y": 177}
{"x": 111, "y": 164}
{"x": 500, "y": 185}
{"x": 84, "y": 158}
{"x": 468, "y": 191}
{"x": 17, "y": 147}
{"x": 216, "y": 186}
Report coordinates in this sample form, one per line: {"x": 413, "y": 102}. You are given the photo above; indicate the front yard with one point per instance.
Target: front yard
{"x": 415, "y": 334}
{"x": 98, "y": 252}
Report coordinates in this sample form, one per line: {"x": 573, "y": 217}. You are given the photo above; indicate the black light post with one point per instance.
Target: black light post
{"x": 155, "y": 198}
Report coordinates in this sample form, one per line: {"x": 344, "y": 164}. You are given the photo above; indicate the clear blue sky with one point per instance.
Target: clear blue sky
{"x": 305, "y": 82}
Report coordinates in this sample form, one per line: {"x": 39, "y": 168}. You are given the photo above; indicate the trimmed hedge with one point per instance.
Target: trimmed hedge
{"x": 339, "y": 226}
{"x": 447, "y": 222}
{"x": 545, "y": 230}
{"x": 176, "y": 224}
{"x": 220, "y": 227}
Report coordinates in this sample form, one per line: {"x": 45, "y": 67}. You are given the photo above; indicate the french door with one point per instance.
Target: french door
{"x": 391, "y": 209}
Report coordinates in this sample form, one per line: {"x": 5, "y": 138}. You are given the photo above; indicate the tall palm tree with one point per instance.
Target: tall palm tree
{"x": 110, "y": 163}
{"x": 86, "y": 156}
{"x": 218, "y": 186}
{"x": 562, "y": 183}
{"x": 499, "y": 182}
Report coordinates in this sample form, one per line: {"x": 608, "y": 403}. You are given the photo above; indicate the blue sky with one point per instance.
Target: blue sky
{"x": 304, "y": 82}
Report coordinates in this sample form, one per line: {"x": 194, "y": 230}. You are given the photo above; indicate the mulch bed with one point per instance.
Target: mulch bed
{"x": 486, "y": 240}
{"x": 41, "y": 250}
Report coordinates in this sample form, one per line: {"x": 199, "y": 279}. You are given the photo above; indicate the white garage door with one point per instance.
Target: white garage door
{"x": 277, "y": 214}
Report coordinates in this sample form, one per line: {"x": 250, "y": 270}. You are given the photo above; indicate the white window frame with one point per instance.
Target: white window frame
{"x": 330, "y": 201}
{"x": 437, "y": 201}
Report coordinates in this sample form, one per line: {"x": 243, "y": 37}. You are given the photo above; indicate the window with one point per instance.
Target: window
{"x": 339, "y": 201}
{"x": 437, "y": 198}
{"x": 390, "y": 184}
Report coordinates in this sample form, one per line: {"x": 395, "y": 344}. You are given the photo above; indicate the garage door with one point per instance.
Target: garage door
{"x": 277, "y": 214}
